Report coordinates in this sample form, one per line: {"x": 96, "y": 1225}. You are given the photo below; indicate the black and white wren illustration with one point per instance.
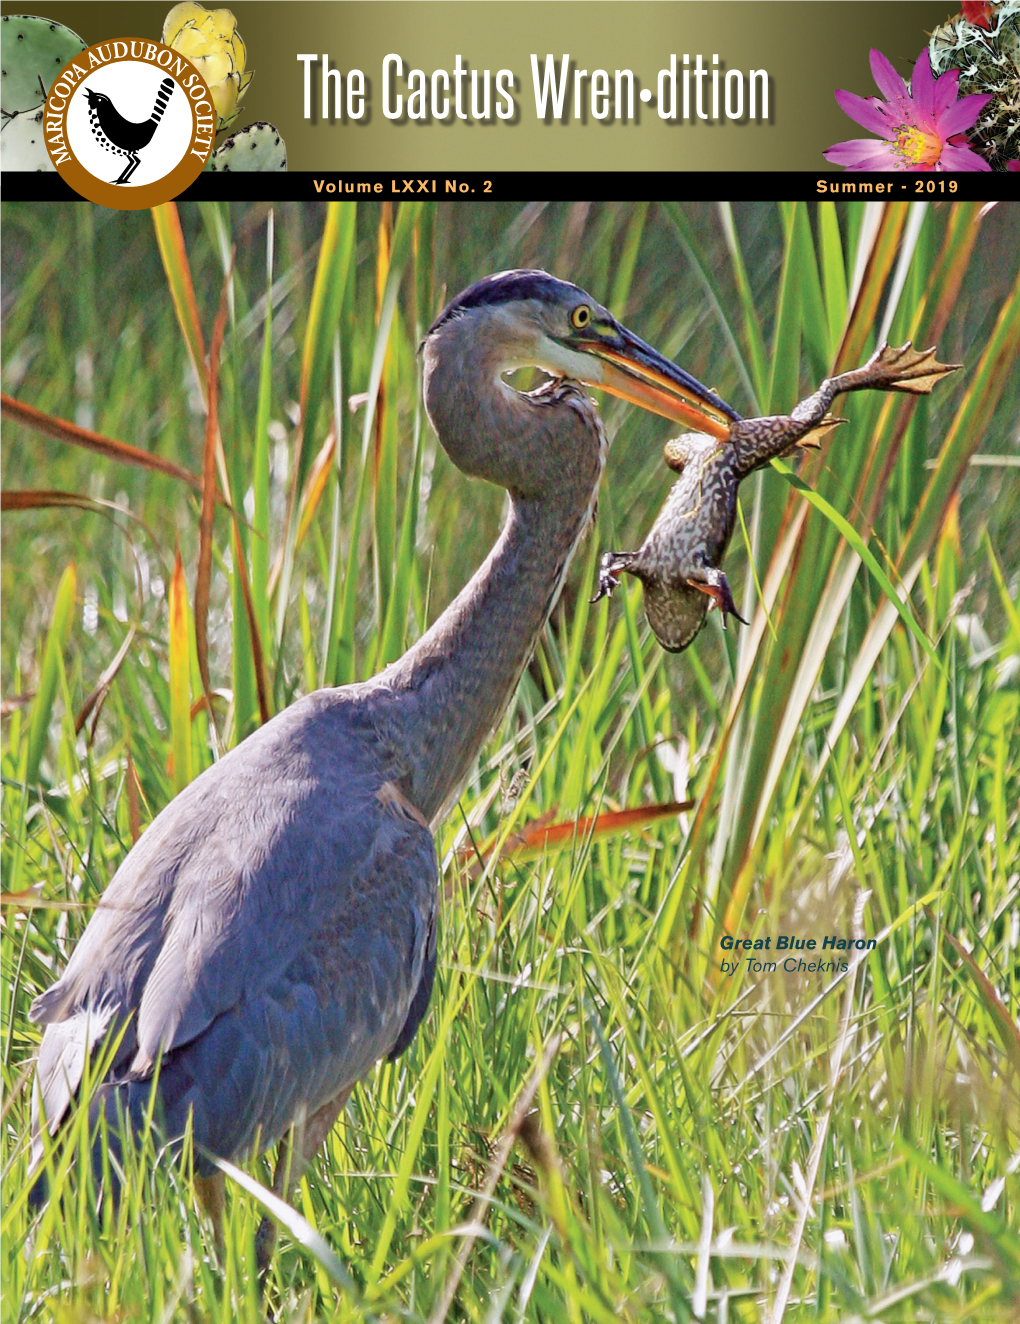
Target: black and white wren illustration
{"x": 123, "y": 136}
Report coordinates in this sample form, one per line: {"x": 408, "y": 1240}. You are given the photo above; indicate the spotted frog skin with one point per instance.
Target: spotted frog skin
{"x": 678, "y": 563}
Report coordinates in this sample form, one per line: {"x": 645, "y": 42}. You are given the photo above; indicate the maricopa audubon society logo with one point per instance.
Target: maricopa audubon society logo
{"x": 129, "y": 123}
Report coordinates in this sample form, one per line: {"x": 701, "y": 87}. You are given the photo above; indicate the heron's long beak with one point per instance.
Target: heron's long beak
{"x": 627, "y": 367}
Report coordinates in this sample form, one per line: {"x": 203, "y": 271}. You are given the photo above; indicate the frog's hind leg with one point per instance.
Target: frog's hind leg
{"x": 713, "y": 582}
{"x": 759, "y": 440}
{"x": 889, "y": 369}
{"x": 914, "y": 371}
{"x": 611, "y": 567}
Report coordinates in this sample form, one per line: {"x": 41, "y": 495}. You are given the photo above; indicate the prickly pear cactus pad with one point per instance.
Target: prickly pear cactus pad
{"x": 989, "y": 62}
{"x": 22, "y": 146}
{"x": 32, "y": 52}
{"x": 255, "y": 147}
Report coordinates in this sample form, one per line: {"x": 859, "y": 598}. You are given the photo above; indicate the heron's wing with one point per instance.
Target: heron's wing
{"x": 65, "y": 1047}
{"x": 351, "y": 994}
{"x": 272, "y": 865}
{"x": 224, "y": 862}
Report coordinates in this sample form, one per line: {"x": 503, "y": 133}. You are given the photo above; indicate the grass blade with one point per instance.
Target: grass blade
{"x": 205, "y": 522}
{"x": 61, "y": 430}
{"x": 1008, "y": 605}
{"x": 254, "y": 634}
{"x": 753, "y": 339}
{"x": 833, "y": 272}
{"x": 298, "y": 1227}
{"x": 260, "y": 481}
{"x": 678, "y": 1289}
{"x": 180, "y": 666}
{"x": 995, "y": 370}
{"x": 539, "y": 837}
{"x": 402, "y": 242}
{"x": 35, "y": 499}
{"x": 865, "y": 553}
{"x": 391, "y": 638}
{"x": 689, "y": 242}
{"x": 481, "y": 1208}
{"x": 963, "y": 438}
{"x": 331, "y": 275}
{"x": 49, "y": 673}
{"x": 106, "y": 679}
{"x": 170, "y": 239}
{"x": 1005, "y": 1027}
{"x": 988, "y": 1227}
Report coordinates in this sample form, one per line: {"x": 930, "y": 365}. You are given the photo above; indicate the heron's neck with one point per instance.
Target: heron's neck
{"x": 450, "y": 689}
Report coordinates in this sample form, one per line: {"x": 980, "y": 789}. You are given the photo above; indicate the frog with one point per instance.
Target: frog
{"x": 679, "y": 562}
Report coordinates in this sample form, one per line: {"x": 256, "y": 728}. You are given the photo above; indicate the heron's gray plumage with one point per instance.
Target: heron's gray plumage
{"x": 273, "y": 933}
{"x": 247, "y": 942}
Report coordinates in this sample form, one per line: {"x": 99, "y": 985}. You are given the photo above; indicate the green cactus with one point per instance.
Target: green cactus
{"x": 32, "y": 52}
{"x": 22, "y": 146}
{"x": 989, "y": 62}
{"x": 255, "y": 147}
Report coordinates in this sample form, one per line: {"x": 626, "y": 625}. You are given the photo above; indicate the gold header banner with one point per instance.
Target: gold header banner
{"x": 549, "y": 85}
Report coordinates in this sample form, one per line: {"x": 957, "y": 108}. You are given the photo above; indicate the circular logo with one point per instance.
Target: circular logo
{"x": 129, "y": 123}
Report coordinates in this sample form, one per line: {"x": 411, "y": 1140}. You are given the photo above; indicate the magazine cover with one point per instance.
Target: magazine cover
{"x": 510, "y": 661}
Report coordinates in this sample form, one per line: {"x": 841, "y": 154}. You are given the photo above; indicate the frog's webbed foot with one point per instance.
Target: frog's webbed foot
{"x": 610, "y": 568}
{"x": 903, "y": 369}
{"x": 713, "y": 582}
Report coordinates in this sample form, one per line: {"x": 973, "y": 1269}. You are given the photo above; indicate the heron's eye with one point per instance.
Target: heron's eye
{"x": 581, "y": 316}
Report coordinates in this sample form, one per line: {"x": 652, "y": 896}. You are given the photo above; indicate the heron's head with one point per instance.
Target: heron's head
{"x": 519, "y": 319}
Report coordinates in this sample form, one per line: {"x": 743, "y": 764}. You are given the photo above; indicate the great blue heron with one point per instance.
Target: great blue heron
{"x": 272, "y": 934}
{"x": 678, "y": 563}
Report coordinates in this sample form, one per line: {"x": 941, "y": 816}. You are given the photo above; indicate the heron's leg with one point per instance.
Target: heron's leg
{"x": 297, "y": 1149}
{"x": 711, "y": 581}
{"x": 212, "y": 1196}
{"x": 610, "y": 566}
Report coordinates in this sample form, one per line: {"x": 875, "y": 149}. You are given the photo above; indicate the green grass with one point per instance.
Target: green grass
{"x": 693, "y": 1145}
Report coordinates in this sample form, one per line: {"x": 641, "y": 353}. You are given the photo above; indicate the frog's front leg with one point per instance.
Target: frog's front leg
{"x": 709, "y": 579}
{"x": 611, "y": 567}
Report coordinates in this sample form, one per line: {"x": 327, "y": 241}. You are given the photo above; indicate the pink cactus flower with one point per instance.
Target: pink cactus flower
{"x": 920, "y": 127}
